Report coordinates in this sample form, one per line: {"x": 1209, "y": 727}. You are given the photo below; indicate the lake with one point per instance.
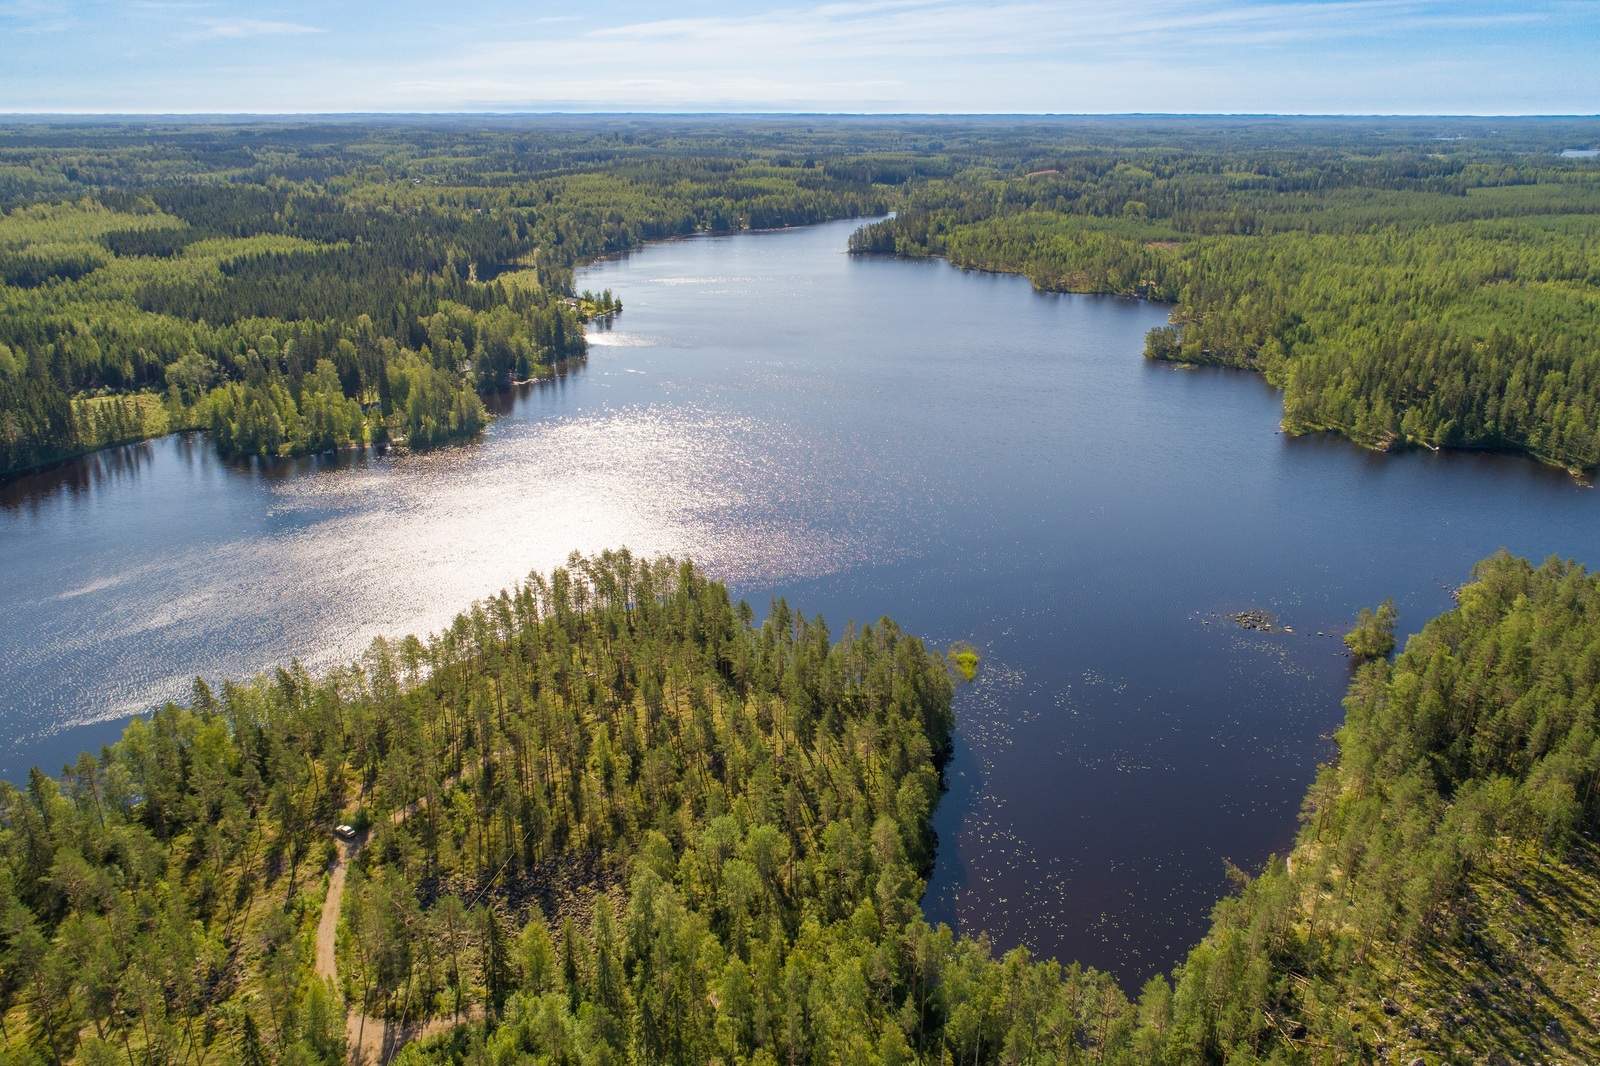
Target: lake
{"x": 865, "y": 437}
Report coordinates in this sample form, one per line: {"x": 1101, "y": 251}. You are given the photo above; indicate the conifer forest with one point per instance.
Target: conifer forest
{"x": 615, "y": 814}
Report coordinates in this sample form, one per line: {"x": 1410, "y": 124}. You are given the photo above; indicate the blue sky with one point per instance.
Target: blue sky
{"x": 1075, "y": 56}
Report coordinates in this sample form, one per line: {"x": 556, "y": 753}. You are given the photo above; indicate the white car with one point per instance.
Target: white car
{"x": 344, "y": 832}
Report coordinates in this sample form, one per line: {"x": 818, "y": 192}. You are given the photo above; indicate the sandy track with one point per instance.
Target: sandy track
{"x": 328, "y": 925}
{"x": 371, "y": 1041}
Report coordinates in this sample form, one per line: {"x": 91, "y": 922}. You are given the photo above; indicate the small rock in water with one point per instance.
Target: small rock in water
{"x": 1259, "y": 620}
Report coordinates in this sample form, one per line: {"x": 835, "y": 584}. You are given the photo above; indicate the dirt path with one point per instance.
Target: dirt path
{"x": 328, "y": 925}
{"x": 364, "y": 1035}
{"x": 371, "y": 1041}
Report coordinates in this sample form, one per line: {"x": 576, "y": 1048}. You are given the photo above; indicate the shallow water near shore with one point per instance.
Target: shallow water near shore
{"x": 866, "y": 437}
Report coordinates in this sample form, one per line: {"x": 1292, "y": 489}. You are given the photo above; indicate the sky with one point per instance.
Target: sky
{"x": 879, "y": 56}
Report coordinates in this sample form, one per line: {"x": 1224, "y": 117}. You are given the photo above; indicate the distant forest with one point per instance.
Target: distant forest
{"x": 297, "y": 289}
{"x": 299, "y": 286}
{"x": 606, "y": 816}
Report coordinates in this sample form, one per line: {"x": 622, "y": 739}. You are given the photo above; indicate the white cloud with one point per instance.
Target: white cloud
{"x": 939, "y": 54}
{"x": 36, "y": 15}
{"x": 238, "y": 28}
{"x": 943, "y": 27}
{"x": 1366, "y": 56}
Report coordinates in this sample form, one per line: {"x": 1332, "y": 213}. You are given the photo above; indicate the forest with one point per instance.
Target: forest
{"x": 296, "y": 290}
{"x": 605, "y": 816}
{"x": 1443, "y": 295}
{"x": 293, "y": 287}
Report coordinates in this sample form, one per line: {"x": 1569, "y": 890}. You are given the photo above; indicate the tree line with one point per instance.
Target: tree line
{"x": 1467, "y": 784}
{"x": 1402, "y": 298}
{"x": 236, "y": 299}
{"x": 1406, "y": 282}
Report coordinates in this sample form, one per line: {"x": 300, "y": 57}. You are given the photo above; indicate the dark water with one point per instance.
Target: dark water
{"x": 866, "y": 437}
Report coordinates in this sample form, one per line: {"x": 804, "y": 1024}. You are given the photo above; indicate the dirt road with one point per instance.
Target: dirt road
{"x": 328, "y": 926}
{"x": 371, "y": 1041}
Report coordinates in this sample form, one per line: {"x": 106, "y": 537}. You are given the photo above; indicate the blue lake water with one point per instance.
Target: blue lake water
{"x": 866, "y": 437}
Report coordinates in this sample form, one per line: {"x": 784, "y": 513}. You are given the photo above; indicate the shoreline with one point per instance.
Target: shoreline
{"x": 1583, "y": 477}
{"x": 620, "y": 253}
{"x": 397, "y": 445}
{"x": 11, "y": 476}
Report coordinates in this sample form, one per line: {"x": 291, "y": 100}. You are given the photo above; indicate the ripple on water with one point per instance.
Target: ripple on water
{"x": 973, "y": 458}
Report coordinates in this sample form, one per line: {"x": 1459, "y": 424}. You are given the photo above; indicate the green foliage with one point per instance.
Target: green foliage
{"x": 964, "y": 659}
{"x": 1408, "y": 297}
{"x": 1400, "y": 288}
{"x": 225, "y": 280}
{"x": 265, "y": 419}
{"x": 1466, "y": 768}
{"x": 593, "y": 306}
{"x": 742, "y": 812}
{"x": 612, "y": 819}
{"x": 1373, "y": 635}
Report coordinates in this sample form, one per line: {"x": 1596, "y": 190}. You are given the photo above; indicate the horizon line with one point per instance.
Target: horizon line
{"x": 7, "y": 116}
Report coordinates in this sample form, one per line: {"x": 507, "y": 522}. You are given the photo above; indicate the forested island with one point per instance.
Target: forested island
{"x": 606, "y": 817}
